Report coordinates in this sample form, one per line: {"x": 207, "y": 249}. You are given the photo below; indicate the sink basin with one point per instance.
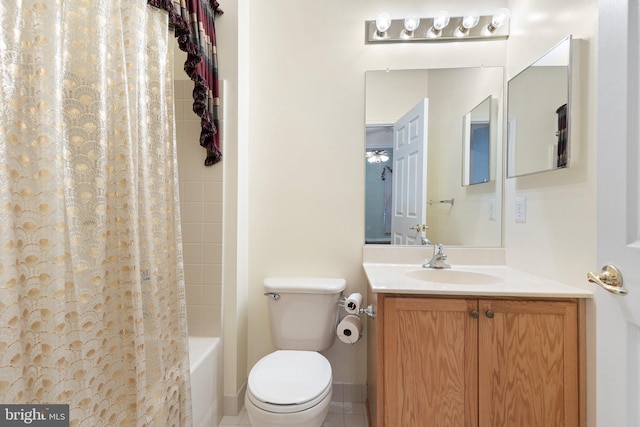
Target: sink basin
{"x": 454, "y": 277}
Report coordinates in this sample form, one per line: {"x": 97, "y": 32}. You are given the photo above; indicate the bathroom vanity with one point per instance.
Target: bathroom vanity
{"x": 474, "y": 346}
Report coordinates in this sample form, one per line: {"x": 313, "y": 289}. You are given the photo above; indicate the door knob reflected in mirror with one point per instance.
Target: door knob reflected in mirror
{"x": 610, "y": 279}
{"x": 419, "y": 227}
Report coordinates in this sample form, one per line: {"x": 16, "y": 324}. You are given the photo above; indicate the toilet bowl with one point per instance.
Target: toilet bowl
{"x": 292, "y": 385}
{"x": 289, "y": 388}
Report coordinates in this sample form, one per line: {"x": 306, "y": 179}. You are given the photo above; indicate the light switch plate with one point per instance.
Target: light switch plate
{"x": 521, "y": 209}
{"x": 492, "y": 209}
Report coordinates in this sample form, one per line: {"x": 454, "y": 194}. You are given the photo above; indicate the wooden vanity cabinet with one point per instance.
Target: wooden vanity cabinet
{"x": 478, "y": 362}
{"x": 529, "y": 363}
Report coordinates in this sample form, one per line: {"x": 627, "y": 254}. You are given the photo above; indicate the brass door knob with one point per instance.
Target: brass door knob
{"x": 610, "y": 279}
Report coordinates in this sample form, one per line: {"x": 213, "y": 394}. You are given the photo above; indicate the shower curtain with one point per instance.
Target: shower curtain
{"x": 92, "y": 304}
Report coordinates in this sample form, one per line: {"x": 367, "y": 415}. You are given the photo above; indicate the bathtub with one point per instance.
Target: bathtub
{"x": 205, "y": 360}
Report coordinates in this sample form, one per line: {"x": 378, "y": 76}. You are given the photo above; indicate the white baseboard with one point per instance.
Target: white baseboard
{"x": 233, "y": 404}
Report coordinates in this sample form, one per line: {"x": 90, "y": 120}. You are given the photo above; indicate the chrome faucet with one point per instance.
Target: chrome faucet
{"x": 438, "y": 258}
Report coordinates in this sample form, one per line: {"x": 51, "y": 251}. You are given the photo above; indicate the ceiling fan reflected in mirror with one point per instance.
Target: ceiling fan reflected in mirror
{"x": 376, "y": 156}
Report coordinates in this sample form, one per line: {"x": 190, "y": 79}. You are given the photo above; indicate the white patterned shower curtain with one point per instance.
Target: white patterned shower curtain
{"x": 92, "y": 305}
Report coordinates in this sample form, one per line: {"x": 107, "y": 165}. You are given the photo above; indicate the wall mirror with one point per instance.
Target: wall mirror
{"x": 414, "y": 128}
{"x": 476, "y": 144}
{"x": 538, "y": 114}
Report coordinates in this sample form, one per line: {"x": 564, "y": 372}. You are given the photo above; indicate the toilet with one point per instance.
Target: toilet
{"x": 292, "y": 385}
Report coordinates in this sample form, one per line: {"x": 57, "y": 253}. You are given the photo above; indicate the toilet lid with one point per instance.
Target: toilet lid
{"x": 290, "y": 377}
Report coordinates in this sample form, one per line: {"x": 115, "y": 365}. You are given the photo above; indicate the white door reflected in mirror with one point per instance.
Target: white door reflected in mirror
{"x": 410, "y": 175}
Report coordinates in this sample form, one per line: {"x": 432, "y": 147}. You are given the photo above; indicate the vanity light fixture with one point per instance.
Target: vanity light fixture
{"x": 383, "y": 22}
{"x": 469, "y": 21}
{"x": 441, "y": 27}
{"x": 440, "y": 21}
{"x": 499, "y": 18}
{"x": 411, "y": 23}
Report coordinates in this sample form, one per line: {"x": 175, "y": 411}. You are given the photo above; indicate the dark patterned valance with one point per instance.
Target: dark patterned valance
{"x": 193, "y": 23}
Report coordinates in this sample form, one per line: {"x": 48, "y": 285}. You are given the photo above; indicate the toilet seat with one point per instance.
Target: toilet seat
{"x": 287, "y": 381}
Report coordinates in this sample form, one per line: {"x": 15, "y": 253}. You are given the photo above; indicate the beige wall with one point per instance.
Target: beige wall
{"x": 389, "y": 95}
{"x": 306, "y": 133}
{"x": 294, "y": 187}
{"x": 558, "y": 239}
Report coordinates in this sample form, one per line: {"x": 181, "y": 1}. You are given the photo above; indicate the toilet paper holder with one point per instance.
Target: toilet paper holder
{"x": 369, "y": 311}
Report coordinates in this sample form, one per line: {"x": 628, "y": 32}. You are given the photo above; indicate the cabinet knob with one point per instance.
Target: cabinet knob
{"x": 490, "y": 314}
{"x": 475, "y": 314}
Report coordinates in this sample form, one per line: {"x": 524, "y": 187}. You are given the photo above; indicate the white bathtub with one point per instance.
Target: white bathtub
{"x": 205, "y": 359}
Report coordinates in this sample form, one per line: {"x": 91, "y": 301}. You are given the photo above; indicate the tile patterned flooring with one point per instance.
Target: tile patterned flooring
{"x": 341, "y": 414}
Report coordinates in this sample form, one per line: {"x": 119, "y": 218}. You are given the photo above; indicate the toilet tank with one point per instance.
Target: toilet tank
{"x": 303, "y": 311}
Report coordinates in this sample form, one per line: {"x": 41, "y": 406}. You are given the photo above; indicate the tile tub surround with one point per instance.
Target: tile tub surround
{"x": 201, "y": 209}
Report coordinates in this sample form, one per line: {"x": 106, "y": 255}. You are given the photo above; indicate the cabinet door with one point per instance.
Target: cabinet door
{"x": 430, "y": 355}
{"x": 528, "y": 363}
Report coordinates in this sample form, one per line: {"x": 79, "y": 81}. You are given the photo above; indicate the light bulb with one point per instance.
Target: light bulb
{"x": 411, "y": 22}
{"x": 441, "y": 20}
{"x": 383, "y": 22}
{"x": 471, "y": 20}
{"x": 500, "y": 17}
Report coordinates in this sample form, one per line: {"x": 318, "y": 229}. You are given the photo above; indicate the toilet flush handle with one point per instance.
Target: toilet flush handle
{"x": 273, "y": 295}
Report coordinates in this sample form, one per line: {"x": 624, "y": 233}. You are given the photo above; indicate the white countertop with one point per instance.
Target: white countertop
{"x": 505, "y": 281}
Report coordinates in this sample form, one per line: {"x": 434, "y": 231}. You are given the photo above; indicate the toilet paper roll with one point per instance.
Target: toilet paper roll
{"x": 349, "y": 330}
{"x": 353, "y": 303}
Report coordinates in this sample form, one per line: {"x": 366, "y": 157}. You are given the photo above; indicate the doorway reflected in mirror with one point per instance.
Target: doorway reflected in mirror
{"x": 378, "y": 185}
